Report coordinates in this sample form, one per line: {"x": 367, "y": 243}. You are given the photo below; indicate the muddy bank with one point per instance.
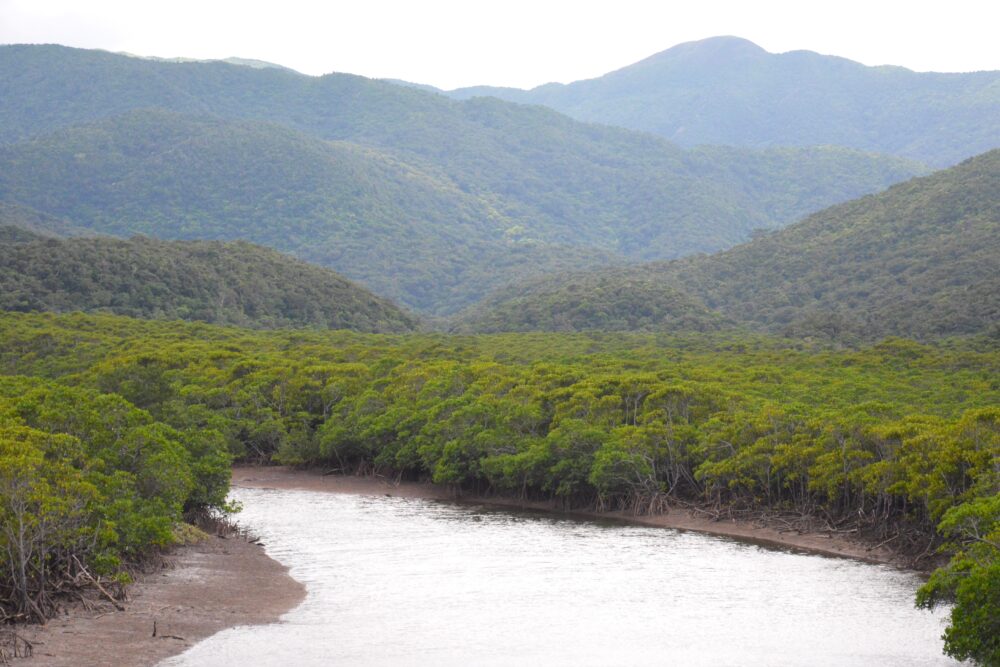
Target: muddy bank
{"x": 208, "y": 587}
{"x": 681, "y": 519}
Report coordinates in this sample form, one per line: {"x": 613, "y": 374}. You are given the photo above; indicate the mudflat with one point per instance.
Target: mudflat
{"x": 206, "y": 587}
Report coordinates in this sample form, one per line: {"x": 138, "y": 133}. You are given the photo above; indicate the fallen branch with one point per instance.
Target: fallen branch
{"x": 119, "y": 606}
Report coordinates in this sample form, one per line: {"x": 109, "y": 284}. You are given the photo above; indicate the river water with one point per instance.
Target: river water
{"x": 398, "y": 581}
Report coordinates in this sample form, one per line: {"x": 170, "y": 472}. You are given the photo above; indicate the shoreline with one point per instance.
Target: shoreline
{"x": 202, "y": 589}
{"x": 222, "y": 583}
{"x": 823, "y": 544}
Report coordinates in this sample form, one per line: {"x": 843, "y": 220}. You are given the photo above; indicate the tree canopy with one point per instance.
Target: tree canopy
{"x": 921, "y": 259}
{"x": 225, "y": 283}
{"x": 426, "y": 200}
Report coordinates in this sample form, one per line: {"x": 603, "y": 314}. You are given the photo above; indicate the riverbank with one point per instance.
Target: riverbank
{"x": 221, "y": 583}
{"x": 207, "y": 587}
{"x": 680, "y": 519}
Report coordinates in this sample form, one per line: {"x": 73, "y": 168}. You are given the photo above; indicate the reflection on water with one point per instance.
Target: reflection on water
{"x": 396, "y": 581}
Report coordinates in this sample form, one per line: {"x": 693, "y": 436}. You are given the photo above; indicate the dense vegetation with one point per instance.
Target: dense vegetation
{"x": 89, "y": 485}
{"x": 888, "y": 440}
{"x": 225, "y": 283}
{"x": 23, "y": 222}
{"x": 405, "y": 231}
{"x": 919, "y": 260}
{"x": 429, "y": 201}
{"x": 624, "y": 299}
{"x": 726, "y": 90}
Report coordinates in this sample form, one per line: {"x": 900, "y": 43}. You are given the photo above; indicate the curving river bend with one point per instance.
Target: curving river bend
{"x": 400, "y": 581}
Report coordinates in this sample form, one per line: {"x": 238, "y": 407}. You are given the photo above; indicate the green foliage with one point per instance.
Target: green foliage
{"x": 224, "y": 283}
{"x": 22, "y": 224}
{"x": 425, "y": 200}
{"x": 611, "y": 299}
{"x": 89, "y": 481}
{"x": 726, "y": 90}
{"x": 920, "y": 260}
{"x": 971, "y": 581}
{"x": 44, "y": 507}
{"x": 892, "y": 438}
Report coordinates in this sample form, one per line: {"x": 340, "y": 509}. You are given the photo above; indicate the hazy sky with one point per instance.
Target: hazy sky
{"x": 450, "y": 43}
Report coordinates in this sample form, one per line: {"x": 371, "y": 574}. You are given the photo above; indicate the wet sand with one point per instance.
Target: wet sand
{"x": 210, "y": 586}
{"x": 678, "y": 518}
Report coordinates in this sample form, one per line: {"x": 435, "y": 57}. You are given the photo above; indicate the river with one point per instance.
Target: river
{"x": 402, "y": 581}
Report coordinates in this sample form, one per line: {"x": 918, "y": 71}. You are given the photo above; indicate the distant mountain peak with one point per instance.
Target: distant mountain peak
{"x": 728, "y": 91}
{"x": 710, "y": 53}
{"x": 723, "y": 45}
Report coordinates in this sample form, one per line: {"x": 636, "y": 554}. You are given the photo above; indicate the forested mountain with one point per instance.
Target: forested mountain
{"x": 223, "y": 283}
{"x": 429, "y": 201}
{"x": 613, "y": 299}
{"x": 406, "y": 231}
{"x": 729, "y": 91}
{"x": 23, "y": 218}
{"x": 921, "y": 260}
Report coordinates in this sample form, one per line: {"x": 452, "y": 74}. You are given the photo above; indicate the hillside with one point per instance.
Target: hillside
{"x": 919, "y": 260}
{"x": 14, "y": 217}
{"x": 405, "y": 231}
{"x": 610, "y": 299}
{"x": 729, "y": 91}
{"x": 424, "y": 199}
{"x": 223, "y": 283}
{"x": 564, "y": 177}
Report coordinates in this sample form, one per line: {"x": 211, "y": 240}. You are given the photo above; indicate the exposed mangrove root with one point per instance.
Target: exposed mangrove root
{"x": 913, "y": 542}
{"x": 222, "y": 526}
{"x": 13, "y": 645}
{"x": 65, "y": 580}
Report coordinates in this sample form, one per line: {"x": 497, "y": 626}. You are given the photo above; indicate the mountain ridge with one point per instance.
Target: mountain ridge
{"x": 729, "y": 91}
{"x": 919, "y": 260}
{"x": 502, "y": 191}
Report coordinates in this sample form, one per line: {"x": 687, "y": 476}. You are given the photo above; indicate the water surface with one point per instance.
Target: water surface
{"x": 398, "y": 581}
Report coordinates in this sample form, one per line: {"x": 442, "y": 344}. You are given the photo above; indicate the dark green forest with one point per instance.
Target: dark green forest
{"x": 33, "y": 223}
{"x": 224, "y": 283}
{"x": 729, "y": 91}
{"x": 618, "y": 299}
{"x": 897, "y": 441}
{"x": 921, "y": 260}
{"x": 444, "y": 200}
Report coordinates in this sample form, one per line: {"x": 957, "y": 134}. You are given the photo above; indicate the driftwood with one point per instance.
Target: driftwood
{"x": 118, "y": 605}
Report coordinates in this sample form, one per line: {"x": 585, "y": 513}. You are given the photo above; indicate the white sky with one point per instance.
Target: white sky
{"x": 523, "y": 43}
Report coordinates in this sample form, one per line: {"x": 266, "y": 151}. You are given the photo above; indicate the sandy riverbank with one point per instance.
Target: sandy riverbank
{"x": 210, "y": 586}
{"x": 681, "y": 519}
